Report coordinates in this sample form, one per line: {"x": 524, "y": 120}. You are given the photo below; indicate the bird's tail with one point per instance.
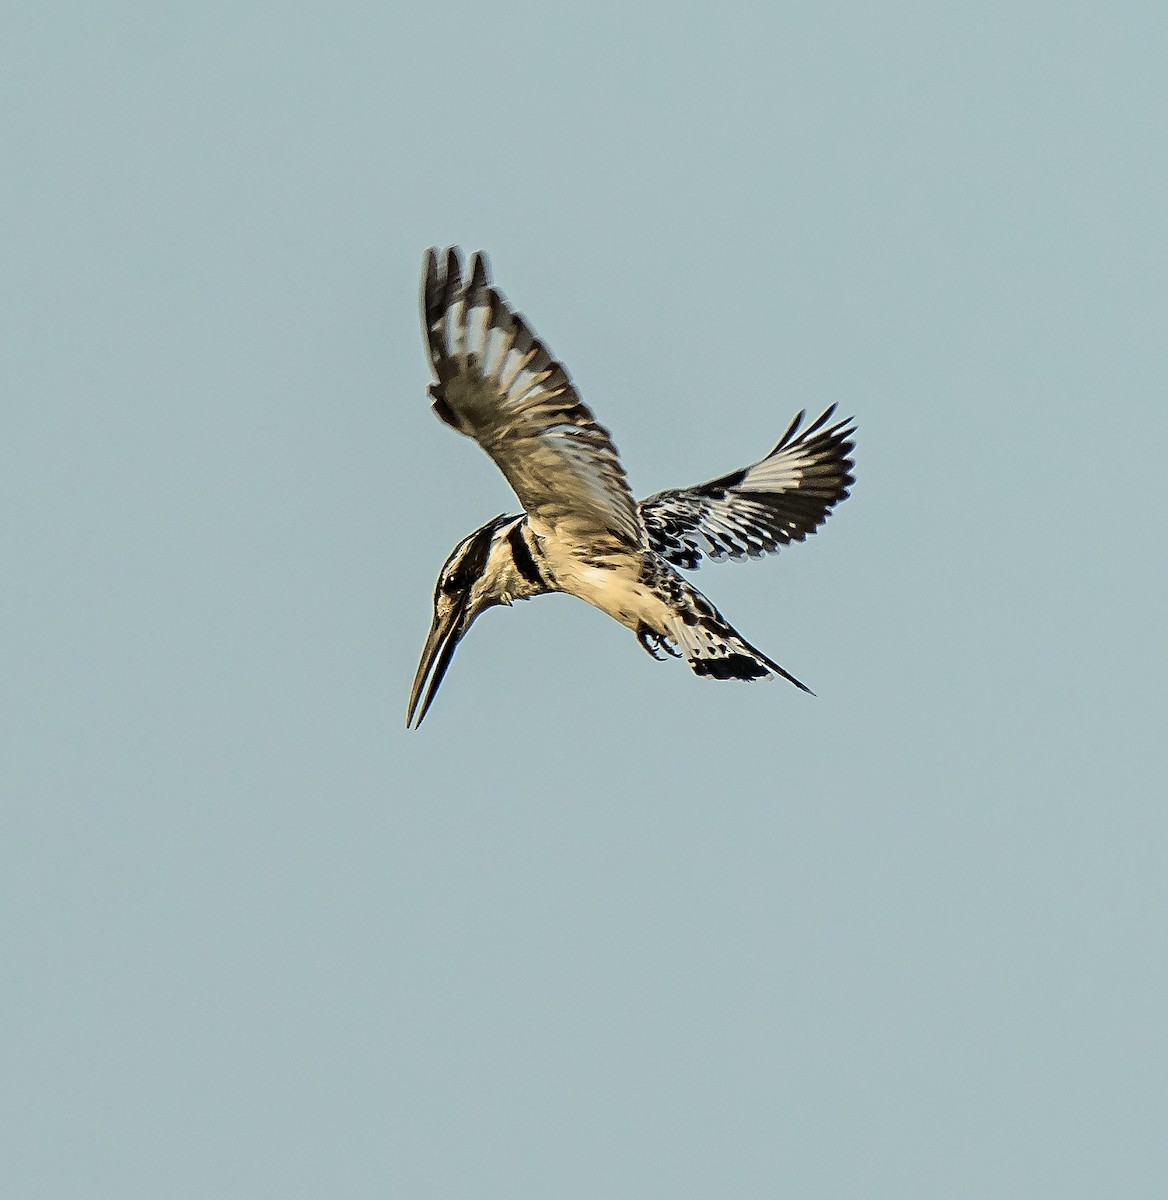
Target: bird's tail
{"x": 713, "y": 647}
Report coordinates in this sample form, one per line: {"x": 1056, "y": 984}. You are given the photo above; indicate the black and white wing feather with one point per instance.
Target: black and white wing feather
{"x": 497, "y": 383}
{"x": 752, "y": 512}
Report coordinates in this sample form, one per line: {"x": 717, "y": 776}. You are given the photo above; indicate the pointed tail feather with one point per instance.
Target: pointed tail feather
{"x": 712, "y": 646}
{"x": 723, "y": 654}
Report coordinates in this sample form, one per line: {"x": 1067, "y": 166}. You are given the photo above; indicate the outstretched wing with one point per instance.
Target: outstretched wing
{"x": 756, "y": 510}
{"x": 497, "y": 383}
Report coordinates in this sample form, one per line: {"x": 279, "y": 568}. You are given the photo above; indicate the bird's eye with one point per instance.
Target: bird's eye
{"x": 451, "y": 584}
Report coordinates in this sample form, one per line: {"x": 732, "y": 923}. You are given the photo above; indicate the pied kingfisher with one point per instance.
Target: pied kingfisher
{"x": 581, "y": 531}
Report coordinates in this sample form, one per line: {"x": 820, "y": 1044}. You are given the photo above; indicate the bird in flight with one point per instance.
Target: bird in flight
{"x": 581, "y": 531}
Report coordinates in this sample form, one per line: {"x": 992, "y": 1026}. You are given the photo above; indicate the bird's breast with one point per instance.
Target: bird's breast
{"x": 615, "y": 587}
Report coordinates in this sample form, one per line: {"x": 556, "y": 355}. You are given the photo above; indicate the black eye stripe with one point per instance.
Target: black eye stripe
{"x": 474, "y": 559}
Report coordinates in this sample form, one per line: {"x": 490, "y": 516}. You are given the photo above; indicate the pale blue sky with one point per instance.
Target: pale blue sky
{"x": 599, "y": 929}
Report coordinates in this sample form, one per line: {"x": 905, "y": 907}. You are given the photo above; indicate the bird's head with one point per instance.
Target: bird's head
{"x": 465, "y": 588}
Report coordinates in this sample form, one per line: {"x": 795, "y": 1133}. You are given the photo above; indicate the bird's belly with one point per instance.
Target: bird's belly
{"x": 616, "y": 593}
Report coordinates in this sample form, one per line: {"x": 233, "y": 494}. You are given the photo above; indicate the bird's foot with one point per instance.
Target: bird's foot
{"x": 656, "y": 644}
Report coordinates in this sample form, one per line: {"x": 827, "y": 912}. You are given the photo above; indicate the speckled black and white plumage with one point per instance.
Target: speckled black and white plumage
{"x": 754, "y": 511}
{"x": 708, "y": 642}
{"x": 581, "y": 531}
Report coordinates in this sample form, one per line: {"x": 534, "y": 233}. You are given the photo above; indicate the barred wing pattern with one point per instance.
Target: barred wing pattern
{"x": 497, "y": 383}
{"x": 752, "y": 512}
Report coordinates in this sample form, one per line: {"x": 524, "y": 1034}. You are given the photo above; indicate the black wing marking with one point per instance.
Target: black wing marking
{"x": 752, "y": 512}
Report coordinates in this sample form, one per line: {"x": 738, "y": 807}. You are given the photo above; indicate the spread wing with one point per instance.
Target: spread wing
{"x": 497, "y": 383}
{"x": 754, "y": 511}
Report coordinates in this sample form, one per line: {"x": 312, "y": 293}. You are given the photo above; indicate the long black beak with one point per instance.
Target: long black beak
{"x": 441, "y": 642}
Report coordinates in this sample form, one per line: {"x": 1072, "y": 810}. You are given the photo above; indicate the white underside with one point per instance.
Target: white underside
{"x": 615, "y": 590}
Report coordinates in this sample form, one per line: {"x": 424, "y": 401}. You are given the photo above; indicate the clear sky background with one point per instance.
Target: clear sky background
{"x": 600, "y": 928}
